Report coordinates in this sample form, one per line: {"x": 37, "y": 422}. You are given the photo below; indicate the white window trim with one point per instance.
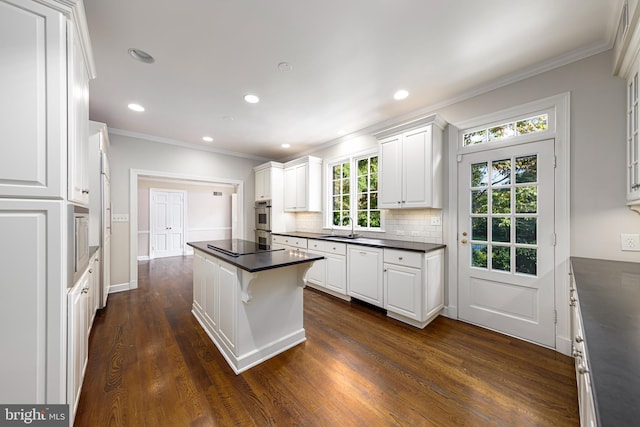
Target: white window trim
{"x": 328, "y": 181}
{"x": 559, "y": 129}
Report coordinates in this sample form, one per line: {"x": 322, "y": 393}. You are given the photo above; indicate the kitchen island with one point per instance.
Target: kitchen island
{"x": 249, "y": 301}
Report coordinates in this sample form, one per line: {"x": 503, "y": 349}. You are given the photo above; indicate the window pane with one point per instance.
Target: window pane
{"x": 501, "y": 200}
{"x": 479, "y": 256}
{"x": 527, "y": 199}
{"x": 336, "y": 187}
{"x": 374, "y": 217}
{"x": 374, "y": 201}
{"x": 346, "y": 170}
{"x": 534, "y": 124}
{"x": 501, "y": 229}
{"x": 345, "y": 186}
{"x": 502, "y": 131}
{"x": 479, "y": 202}
{"x": 373, "y": 184}
{"x": 336, "y": 203}
{"x": 526, "y": 169}
{"x": 346, "y": 203}
{"x": 362, "y": 184}
{"x": 363, "y": 201}
{"x": 527, "y": 261}
{"x": 501, "y": 258}
{"x": 336, "y": 171}
{"x": 373, "y": 164}
{"x": 479, "y": 175}
{"x": 363, "y": 167}
{"x": 363, "y": 220}
{"x": 501, "y": 172}
{"x": 479, "y": 229}
{"x": 336, "y": 218}
{"x": 477, "y": 137}
{"x": 526, "y": 230}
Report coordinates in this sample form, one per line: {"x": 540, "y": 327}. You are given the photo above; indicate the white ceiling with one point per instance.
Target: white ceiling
{"x": 348, "y": 58}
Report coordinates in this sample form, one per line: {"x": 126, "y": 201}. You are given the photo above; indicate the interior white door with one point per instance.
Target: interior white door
{"x": 506, "y": 240}
{"x": 167, "y": 223}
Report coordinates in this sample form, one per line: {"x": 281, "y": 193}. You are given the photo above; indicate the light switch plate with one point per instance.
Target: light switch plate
{"x": 630, "y": 242}
{"x": 120, "y": 217}
{"x": 435, "y": 220}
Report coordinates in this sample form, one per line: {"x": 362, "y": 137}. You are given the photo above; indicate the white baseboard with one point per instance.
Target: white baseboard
{"x": 121, "y": 287}
{"x": 450, "y": 311}
{"x": 143, "y": 257}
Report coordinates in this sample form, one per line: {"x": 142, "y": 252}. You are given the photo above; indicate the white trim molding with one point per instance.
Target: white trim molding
{"x": 559, "y": 107}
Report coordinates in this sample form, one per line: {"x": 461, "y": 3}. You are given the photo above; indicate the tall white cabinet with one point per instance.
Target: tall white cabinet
{"x": 34, "y": 140}
{"x": 411, "y": 165}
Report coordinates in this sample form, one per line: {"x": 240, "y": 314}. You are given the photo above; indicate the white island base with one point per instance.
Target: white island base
{"x": 250, "y": 317}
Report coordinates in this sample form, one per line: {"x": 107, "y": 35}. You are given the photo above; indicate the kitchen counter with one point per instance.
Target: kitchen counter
{"x": 250, "y": 305}
{"x": 366, "y": 241}
{"x": 609, "y": 296}
{"x": 259, "y": 261}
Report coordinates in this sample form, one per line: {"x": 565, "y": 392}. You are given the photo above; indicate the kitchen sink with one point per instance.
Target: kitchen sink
{"x": 338, "y": 237}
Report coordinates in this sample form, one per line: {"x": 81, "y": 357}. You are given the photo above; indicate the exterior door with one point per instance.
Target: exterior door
{"x": 506, "y": 240}
{"x": 167, "y": 223}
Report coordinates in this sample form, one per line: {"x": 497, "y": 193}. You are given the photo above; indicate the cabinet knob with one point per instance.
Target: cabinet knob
{"x": 399, "y": 258}
{"x": 582, "y": 369}
{"x": 385, "y": 270}
{"x": 579, "y": 338}
{"x": 90, "y": 271}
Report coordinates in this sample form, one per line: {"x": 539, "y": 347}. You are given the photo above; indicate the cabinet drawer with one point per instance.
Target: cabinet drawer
{"x": 329, "y": 247}
{"x": 406, "y": 258}
{"x": 296, "y": 242}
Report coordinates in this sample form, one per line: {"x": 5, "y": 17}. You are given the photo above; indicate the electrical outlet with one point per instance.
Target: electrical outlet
{"x": 630, "y": 242}
{"x": 120, "y": 217}
{"x": 435, "y": 220}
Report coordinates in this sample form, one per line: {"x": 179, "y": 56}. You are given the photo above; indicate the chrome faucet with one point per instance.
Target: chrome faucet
{"x": 351, "y": 221}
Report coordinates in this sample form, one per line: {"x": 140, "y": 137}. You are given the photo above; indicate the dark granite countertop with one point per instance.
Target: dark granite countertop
{"x": 259, "y": 261}
{"x": 609, "y": 296}
{"x": 366, "y": 241}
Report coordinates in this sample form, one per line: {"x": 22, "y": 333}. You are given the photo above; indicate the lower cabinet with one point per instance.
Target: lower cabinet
{"x": 77, "y": 340}
{"x": 365, "y": 274}
{"x": 579, "y": 352}
{"x": 413, "y": 285}
{"x": 329, "y": 274}
{"x": 215, "y": 288}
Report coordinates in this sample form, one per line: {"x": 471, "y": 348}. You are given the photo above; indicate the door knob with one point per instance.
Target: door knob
{"x": 463, "y": 241}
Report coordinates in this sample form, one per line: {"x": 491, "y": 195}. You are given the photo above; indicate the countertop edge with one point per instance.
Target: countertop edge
{"x": 381, "y": 243}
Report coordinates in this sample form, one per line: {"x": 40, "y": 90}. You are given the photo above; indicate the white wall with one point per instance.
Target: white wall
{"x": 132, "y": 153}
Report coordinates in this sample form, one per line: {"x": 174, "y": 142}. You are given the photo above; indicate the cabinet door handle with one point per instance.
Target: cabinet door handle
{"x": 579, "y": 338}
{"x": 399, "y": 258}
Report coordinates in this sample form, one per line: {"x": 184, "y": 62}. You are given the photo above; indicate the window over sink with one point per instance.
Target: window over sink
{"x": 353, "y": 193}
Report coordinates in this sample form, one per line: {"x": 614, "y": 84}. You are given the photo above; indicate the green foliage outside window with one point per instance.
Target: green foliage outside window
{"x": 365, "y": 212}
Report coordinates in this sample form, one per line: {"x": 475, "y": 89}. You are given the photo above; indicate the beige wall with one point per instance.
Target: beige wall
{"x": 132, "y": 153}
{"x": 208, "y": 217}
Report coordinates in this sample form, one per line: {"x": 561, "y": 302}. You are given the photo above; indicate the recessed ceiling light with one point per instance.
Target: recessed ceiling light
{"x": 401, "y": 94}
{"x": 286, "y": 145}
{"x": 141, "y": 55}
{"x": 251, "y": 99}
{"x": 136, "y": 107}
{"x": 285, "y": 67}
{"x": 207, "y": 139}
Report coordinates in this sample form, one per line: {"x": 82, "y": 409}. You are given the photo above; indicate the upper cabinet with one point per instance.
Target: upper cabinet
{"x": 263, "y": 185}
{"x": 78, "y": 149}
{"x": 627, "y": 65}
{"x": 303, "y": 185}
{"x": 33, "y": 72}
{"x": 411, "y": 165}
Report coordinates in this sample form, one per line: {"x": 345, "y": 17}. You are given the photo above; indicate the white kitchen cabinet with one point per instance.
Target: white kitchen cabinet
{"x": 365, "y": 282}
{"x": 37, "y": 63}
{"x": 329, "y": 274}
{"x": 303, "y": 185}
{"x": 627, "y": 66}
{"x": 268, "y": 181}
{"x": 288, "y": 242}
{"x": 210, "y": 289}
{"x": 411, "y": 165}
{"x": 77, "y": 339}
{"x": 78, "y": 149}
{"x": 413, "y": 285}
{"x": 33, "y": 144}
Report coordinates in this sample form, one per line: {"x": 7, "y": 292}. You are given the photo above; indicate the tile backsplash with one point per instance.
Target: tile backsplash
{"x": 413, "y": 225}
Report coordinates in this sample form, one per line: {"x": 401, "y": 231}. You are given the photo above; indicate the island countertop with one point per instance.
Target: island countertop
{"x": 259, "y": 261}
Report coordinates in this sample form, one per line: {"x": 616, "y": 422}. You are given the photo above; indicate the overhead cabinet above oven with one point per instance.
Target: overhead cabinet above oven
{"x": 411, "y": 164}
{"x": 302, "y": 185}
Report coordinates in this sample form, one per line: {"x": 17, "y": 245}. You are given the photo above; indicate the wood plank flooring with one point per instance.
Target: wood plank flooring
{"x": 150, "y": 364}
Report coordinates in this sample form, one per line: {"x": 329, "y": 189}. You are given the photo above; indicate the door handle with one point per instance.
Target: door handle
{"x": 463, "y": 241}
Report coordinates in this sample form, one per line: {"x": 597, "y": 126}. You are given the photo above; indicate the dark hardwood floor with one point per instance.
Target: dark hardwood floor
{"x": 150, "y": 364}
